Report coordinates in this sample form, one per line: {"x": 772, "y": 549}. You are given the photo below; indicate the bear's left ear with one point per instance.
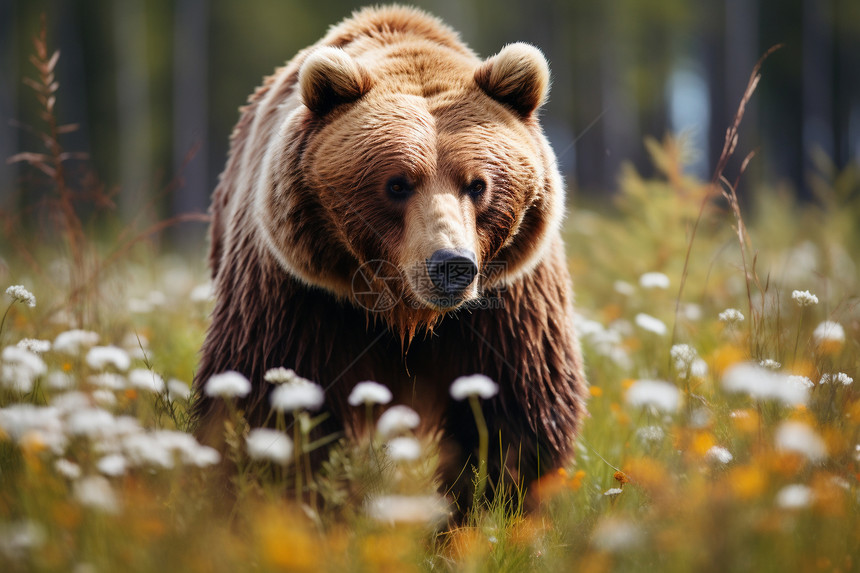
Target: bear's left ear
{"x": 518, "y": 76}
{"x": 330, "y": 77}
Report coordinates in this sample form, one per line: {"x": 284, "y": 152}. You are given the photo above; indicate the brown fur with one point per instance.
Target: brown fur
{"x": 300, "y": 207}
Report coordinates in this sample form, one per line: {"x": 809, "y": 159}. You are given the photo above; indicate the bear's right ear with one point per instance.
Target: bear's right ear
{"x": 330, "y": 77}
{"x": 518, "y": 77}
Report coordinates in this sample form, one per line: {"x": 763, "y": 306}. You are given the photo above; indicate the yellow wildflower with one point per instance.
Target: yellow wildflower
{"x": 747, "y": 482}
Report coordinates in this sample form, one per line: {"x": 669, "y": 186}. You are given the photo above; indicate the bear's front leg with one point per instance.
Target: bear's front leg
{"x": 525, "y": 341}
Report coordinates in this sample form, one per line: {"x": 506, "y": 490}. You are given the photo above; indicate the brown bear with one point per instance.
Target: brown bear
{"x": 391, "y": 211}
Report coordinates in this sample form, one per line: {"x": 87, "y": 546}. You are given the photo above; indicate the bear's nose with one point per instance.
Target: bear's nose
{"x": 452, "y": 270}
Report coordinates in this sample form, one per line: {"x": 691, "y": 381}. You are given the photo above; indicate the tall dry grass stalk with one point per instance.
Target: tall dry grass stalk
{"x": 67, "y": 197}
{"x": 52, "y": 161}
{"x": 721, "y": 185}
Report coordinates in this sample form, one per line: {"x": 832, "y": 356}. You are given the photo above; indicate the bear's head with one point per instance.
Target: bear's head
{"x": 412, "y": 180}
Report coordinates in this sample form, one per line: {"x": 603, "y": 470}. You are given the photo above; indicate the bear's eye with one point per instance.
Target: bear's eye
{"x": 476, "y": 188}
{"x": 398, "y": 188}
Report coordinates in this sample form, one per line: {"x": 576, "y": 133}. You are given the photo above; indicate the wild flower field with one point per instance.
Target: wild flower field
{"x": 724, "y": 428}
{"x": 721, "y": 340}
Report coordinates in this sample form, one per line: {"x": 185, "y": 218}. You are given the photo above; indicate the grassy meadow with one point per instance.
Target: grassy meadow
{"x": 721, "y": 342}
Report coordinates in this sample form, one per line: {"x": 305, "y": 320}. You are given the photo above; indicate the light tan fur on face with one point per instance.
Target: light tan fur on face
{"x": 438, "y": 217}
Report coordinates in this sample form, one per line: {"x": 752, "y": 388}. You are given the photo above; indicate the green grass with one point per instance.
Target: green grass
{"x": 679, "y": 508}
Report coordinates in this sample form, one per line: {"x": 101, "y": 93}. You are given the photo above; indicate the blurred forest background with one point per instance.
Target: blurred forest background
{"x": 155, "y": 84}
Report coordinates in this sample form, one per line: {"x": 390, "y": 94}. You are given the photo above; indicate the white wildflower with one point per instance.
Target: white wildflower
{"x": 586, "y": 327}
{"x": 282, "y": 375}
{"x": 699, "y": 368}
{"x": 20, "y": 421}
{"x": 613, "y": 491}
{"x": 794, "y": 496}
{"x": 73, "y": 341}
{"x": 802, "y": 262}
{"x": 650, "y": 434}
{"x": 135, "y": 340}
{"x": 301, "y": 395}
{"x": 25, "y": 359}
{"x": 651, "y": 324}
{"x": 700, "y": 418}
{"x": 654, "y": 280}
{"x": 67, "y": 468}
{"x": 719, "y": 454}
{"x": 607, "y": 342}
{"x": 68, "y": 402}
{"x": 798, "y": 437}
{"x": 692, "y": 311}
{"x": 19, "y": 539}
{"x": 227, "y": 385}
{"x": 613, "y": 534}
{"x": 423, "y": 509}
{"x": 91, "y": 422}
{"x": 624, "y": 288}
{"x": 203, "y": 457}
{"x": 137, "y": 345}
{"x": 112, "y": 465}
{"x": 731, "y": 316}
{"x": 34, "y": 345}
{"x": 58, "y": 380}
{"x": 97, "y": 493}
{"x": 21, "y": 294}
{"x": 684, "y": 355}
{"x": 801, "y": 381}
{"x": 203, "y": 293}
{"x": 804, "y": 298}
{"x": 144, "y": 449}
{"x": 178, "y": 390}
{"x": 473, "y": 385}
{"x": 397, "y": 420}
{"x": 770, "y": 364}
{"x": 840, "y": 482}
{"x": 138, "y": 353}
{"x": 139, "y": 306}
{"x": 829, "y": 332}
{"x": 157, "y": 298}
{"x": 108, "y": 381}
{"x": 369, "y": 393}
{"x": 621, "y": 327}
{"x": 146, "y": 380}
{"x": 161, "y": 448}
{"x": 20, "y": 368}
{"x": 838, "y": 378}
{"x": 104, "y": 398}
{"x": 100, "y": 357}
{"x": 763, "y": 384}
{"x": 270, "y": 445}
{"x": 404, "y": 449}
{"x": 657, "y": 394}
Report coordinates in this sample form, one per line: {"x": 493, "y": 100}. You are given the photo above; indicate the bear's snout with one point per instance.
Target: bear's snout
{"x": 452, "y": 271}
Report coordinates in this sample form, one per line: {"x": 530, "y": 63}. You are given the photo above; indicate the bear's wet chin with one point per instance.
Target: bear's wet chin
{"x": 434, "y": 299}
